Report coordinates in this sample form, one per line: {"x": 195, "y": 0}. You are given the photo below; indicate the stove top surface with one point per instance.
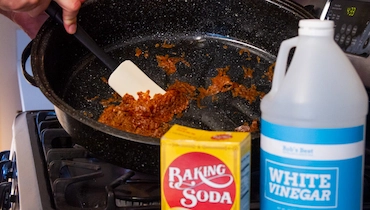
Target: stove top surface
{"x": 55, "y": 173}
{"x": 67, "y": 176}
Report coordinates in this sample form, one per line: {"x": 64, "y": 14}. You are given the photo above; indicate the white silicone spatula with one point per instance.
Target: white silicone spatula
{"x": 126, "y": 77}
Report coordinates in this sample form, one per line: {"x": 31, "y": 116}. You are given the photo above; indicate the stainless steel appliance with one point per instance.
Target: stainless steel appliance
{"x": 352, "y": 29}
{"x": 46, "y": 170}
{"x": 352, "y": 32}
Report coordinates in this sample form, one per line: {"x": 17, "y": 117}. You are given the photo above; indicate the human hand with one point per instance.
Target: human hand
{"x": 35, "y": 8}
{"x": 30, "y": 25}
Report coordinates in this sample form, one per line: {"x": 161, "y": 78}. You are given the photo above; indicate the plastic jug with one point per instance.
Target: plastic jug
{"x": 313, "y": 126}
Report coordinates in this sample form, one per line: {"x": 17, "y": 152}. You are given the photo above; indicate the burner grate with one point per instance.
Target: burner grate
{"x": 79, "y": 180}
{"x": 119, "y": 188}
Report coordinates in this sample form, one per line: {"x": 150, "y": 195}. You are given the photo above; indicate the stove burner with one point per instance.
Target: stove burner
{"x": 80, "y": 180}
{"x": 122, "y": 190}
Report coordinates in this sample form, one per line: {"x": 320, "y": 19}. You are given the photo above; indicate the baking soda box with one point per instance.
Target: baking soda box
{"x": 205, "y": 170}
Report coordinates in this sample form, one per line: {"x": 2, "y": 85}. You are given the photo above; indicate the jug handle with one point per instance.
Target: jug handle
{"x": 281, "y": 62}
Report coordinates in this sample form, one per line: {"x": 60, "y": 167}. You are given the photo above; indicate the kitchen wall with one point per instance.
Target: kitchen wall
{"x": 31, "y": 97}
{"x": 10, "y": 102}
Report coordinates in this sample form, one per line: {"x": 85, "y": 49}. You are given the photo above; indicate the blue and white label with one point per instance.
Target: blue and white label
{"x": 307, "y": 168}
{"x": 312, "y": 186}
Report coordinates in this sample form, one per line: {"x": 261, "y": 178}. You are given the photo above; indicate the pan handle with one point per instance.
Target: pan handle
{"x": 25, "y": 55}
{"x": 55, "y": 12}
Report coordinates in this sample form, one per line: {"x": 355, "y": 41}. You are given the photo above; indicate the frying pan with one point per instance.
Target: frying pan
{"x": 209, "y": 35}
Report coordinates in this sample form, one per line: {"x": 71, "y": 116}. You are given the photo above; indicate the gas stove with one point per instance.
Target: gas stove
{"x": 45, "y": 170}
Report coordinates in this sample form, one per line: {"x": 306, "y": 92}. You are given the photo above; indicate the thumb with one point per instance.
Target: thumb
{"x": 70, "y": 11}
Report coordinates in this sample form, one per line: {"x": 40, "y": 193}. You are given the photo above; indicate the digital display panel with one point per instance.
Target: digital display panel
{"x": 352, "y": 28}
{"x": 351, "y": 11}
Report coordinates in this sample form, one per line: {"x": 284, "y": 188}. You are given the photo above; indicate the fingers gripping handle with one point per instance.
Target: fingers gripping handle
{"x": 281, "y": 62}
{"x": 55, "y": 12}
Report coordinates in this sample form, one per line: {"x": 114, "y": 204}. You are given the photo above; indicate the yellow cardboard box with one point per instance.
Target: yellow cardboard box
{"x": 203, "y": 170}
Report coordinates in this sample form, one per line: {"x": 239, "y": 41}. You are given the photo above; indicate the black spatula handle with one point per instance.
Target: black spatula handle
{"x": 55, "y": 12}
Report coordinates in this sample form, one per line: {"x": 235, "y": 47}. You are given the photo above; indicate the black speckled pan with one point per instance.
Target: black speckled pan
{"x": 209, "y": 34}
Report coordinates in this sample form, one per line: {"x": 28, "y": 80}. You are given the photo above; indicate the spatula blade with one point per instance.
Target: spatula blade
{"x": 128, "y": 78}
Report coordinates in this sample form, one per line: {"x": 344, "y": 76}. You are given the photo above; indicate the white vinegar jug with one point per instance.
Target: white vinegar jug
{"x": 313, "y": 126}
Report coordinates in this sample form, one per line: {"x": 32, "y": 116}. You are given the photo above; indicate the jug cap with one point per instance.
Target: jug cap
{"x": 316, "y": 27}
